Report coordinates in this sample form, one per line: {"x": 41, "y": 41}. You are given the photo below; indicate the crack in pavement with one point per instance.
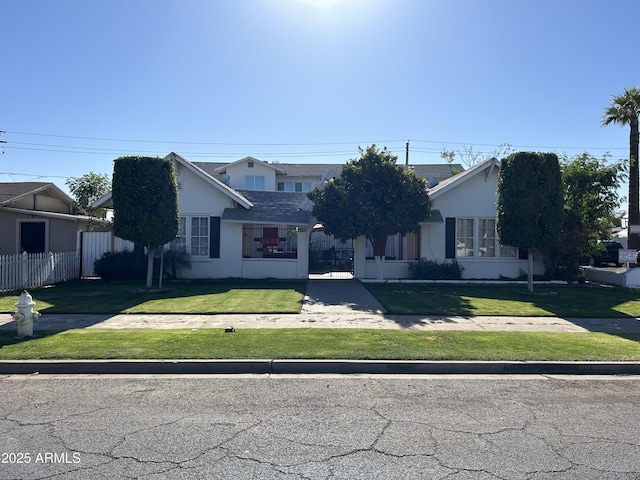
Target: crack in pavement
{"x": 356, "y": 430}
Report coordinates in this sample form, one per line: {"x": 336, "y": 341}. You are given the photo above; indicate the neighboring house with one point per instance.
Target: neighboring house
{"x": 38, "y": 217}
{"x": 251, "y": 219}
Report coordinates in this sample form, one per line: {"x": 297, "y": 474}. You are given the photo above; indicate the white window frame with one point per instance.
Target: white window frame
{"x": 251, "y": 182}
{"x": 466, "y": 243}
{"x": 484, "y": 245}
{"x": 201, "y": 249}
{"x": 487, "y": 238}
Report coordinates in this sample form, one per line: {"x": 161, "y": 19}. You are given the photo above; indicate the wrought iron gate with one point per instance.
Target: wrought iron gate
{"x": 328, "y": 255}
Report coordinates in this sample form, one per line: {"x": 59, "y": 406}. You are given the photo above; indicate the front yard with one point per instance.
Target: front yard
{"x": 279, "y": 296}
{"x": 573, "y": 301}
{"x": 205, "y": 297}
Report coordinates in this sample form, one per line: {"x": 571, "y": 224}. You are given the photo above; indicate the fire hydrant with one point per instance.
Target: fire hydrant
{"x": 25, "y": 315}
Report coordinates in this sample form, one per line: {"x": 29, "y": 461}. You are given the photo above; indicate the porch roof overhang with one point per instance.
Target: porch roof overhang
{"x": 59, "y": 216}
{"x": 434, "y": 217}
{"x": 239, "y": 215}
{"x": 270, "y": 207}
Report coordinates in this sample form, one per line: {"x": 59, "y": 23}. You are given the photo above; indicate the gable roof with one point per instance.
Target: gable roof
{"x": 13, "y": 191}
{"x": 235, "y": 195}
{"x": 271, "y": 207}
{"x": 106, "y": 200}
{"x": 460, "y": 178}
{"x": 221, "y": 169}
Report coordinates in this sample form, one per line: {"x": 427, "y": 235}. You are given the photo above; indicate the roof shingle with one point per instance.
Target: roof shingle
{"x": 271, "y": 207}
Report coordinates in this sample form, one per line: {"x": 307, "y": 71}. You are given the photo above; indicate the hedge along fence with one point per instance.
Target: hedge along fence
{"x": 37, "y": 269}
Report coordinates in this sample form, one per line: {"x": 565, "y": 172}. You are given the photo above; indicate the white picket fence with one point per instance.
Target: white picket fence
{"x": 37, "y": 269}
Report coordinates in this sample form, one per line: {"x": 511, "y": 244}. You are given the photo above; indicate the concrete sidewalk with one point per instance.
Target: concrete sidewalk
{"x": 59, "y": 322}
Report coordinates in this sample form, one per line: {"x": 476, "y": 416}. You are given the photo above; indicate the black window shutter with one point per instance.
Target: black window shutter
{"x": 523, "y": 254}
{"x": 450, "y": 237}
{"x": 214, "y": 237}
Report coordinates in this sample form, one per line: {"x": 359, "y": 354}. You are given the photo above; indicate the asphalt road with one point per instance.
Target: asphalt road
{"x": 319, "y": 427}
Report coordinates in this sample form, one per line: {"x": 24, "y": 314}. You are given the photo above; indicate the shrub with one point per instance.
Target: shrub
{"x": 128, "y": 265}
{"x": 121, "y": 266}
{"x": 424, "y": 269}
{"x": 174, "y": 262}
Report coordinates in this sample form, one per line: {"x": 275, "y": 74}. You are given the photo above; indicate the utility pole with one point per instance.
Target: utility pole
{"x": 406, "y": 160}
{"x": 1, "y": 143}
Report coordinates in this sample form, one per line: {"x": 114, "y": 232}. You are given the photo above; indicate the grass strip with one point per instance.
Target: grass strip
{"x": 357, "y": 344}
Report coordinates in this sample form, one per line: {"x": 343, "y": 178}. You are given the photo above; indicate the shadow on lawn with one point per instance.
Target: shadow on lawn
{"x": 588, "y": 306}
{"x": 104, "y": 299}
{"x": 9, "y": 338}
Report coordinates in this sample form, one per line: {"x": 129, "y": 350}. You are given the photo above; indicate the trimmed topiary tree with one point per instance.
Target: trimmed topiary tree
{"x": 145, "y": 203}
{"x": 530, "y": 203}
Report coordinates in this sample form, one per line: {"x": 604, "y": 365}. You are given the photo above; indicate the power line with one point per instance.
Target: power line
{"x": 46, "y": 147}
{"x": 114, "y": 152}
{"x": 34, "y": 175}
{"x": 102, "y": 139}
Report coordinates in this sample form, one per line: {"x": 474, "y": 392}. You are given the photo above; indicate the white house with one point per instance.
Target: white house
{"x": 251, "y": 219}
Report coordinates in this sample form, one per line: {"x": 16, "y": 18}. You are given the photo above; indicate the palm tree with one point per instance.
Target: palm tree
{"x": 625, "y": 110}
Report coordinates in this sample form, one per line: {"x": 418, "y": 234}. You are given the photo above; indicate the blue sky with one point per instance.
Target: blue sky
{"x": 84, "y": 82}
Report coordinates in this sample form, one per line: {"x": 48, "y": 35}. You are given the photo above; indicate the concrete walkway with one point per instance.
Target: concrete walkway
{"x": 333, "y": 304}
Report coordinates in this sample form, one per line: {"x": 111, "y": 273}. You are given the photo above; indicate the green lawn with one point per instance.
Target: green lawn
{"x": 320, "y": 344}
{"x": 468, "y": 300}
{"x": 215, "y": 296}
{"x": 280, "y": 296}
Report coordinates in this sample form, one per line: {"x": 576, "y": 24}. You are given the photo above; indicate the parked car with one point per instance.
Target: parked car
{"x": 608, "y": 255}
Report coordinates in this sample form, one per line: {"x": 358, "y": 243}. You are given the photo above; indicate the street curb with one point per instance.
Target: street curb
{"x": 302, "y": 367}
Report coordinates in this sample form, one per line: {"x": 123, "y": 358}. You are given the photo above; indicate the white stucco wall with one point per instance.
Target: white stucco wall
{"x": 198, "y": 198}
{"x": 363, "y": 268}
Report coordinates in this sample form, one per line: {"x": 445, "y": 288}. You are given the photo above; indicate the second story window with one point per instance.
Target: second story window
{"x": 254, "y": 182}
{"x": 294, "y": 186}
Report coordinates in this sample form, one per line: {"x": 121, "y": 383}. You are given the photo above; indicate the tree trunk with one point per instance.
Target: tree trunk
{"x": 379, "y": 244}
{"x": 149, "y": 266}
{"x": 634, "y": 184}
{"x": 530, "y": 272}
{"x": 161, "y": 267}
